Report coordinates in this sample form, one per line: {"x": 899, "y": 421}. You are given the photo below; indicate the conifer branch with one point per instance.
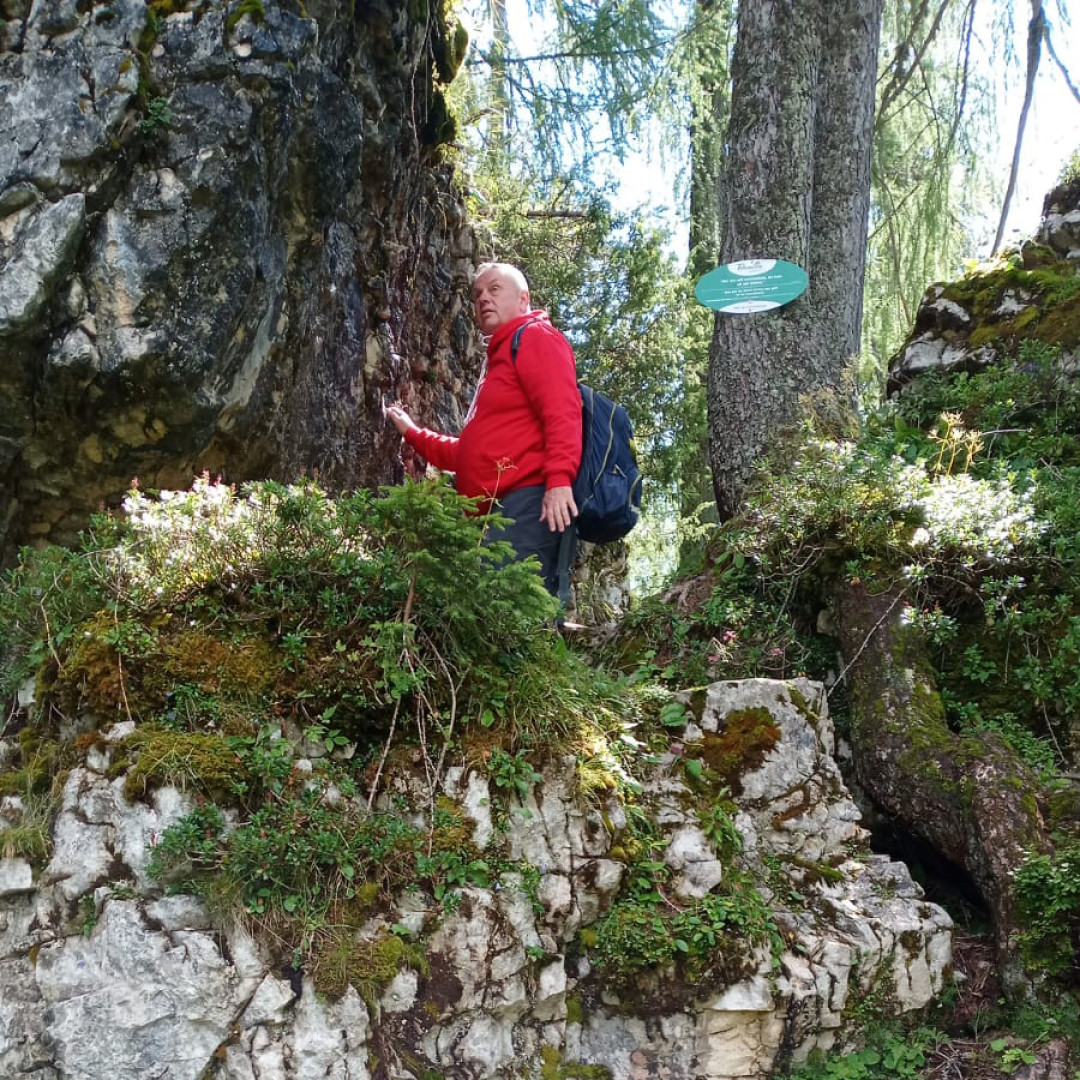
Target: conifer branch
{"x": 901, "y": 75}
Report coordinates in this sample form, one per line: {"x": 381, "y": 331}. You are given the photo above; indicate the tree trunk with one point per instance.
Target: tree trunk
{"x": 971, "y": 798}
{"x": 499, "y": 87}
{"x": 797, "y": 188}
{"x": 708, "y": 108}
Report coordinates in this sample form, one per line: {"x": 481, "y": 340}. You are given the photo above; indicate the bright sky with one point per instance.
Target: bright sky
{"x": 1051, "y": 136}
{"x": 1053, "y": 126}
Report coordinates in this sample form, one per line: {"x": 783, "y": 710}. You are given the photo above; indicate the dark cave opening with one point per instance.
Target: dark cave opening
{"x": 943, "y": 881}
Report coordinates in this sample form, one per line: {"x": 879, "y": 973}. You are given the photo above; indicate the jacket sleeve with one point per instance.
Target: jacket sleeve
{"x": 548, "y": 374}
{"x": 439, "y": 450}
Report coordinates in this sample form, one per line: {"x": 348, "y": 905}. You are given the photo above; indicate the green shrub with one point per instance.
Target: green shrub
{"x": 1048, "y": 890}
{"x": 285, "y": 656}
{"x": 890, "y": 1052}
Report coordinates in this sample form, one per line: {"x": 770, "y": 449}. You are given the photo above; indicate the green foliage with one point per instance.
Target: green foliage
{"x": 1070, "y": 171}
{"x": 370, "y": 602}
{"x": 156, "y": 117}
{"x": 512, "y": 774}
{"x": 88, "y": 914}
{"x": 252, "y": 8}
{"x": 1011, "y": 1058}
{"x": 710, "y": 937}
{"x": 42, "y": 603}
{"x": 728, "y": 623}
{"x": 928, "y": 174}
{"x": 282, "y": 654}
{"x": 705, "y": 941}
{"x": 890, "y": 1053}
{"x": 36, "y": 776}
{"x": 577, "y": 93}
{"x": 1048, "y": 891}
{"x": 718, "y": 824}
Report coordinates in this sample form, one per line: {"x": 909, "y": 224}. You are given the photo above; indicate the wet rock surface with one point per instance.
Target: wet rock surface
{"x": 225, "y": 239}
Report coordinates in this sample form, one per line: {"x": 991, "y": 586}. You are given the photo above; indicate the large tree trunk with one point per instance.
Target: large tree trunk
{"x": 797, "y": 188}
{"x": 972, "y": 799}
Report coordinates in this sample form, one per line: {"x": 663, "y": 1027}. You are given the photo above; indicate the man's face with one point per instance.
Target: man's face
{"x": 497, "y": 299}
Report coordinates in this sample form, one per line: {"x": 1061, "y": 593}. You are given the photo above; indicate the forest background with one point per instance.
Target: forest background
{"x": 592, "y": 139}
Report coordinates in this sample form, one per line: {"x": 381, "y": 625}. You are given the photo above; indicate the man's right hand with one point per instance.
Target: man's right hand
{"x": 400, "y": 419}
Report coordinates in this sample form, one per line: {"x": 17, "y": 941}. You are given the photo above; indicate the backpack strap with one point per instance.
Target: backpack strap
{"x": 567, "y": 550}
{"x": 515, "y": 341}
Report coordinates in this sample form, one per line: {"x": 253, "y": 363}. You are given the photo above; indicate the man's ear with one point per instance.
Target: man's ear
{"x": 526, "y": 305}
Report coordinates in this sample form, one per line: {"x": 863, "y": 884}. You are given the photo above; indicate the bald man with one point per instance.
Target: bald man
{"x": 520, "y": 447}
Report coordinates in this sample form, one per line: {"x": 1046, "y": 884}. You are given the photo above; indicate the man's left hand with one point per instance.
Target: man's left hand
{"x": 558, "y": 508}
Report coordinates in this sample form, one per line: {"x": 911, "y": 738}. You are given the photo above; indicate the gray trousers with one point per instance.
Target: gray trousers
{"x": 531, "y": 536}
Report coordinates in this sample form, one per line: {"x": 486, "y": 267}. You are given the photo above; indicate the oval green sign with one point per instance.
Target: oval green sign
{"x": 751, "y": 285}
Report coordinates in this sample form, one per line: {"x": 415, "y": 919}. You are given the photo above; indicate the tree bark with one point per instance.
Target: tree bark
{"x": 709, "y": 107}
{"x": 971, "y": 798}
{"x": 797, "y": 187}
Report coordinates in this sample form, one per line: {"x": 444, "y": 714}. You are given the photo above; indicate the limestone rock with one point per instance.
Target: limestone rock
{"x": 1060, "y": 227}
{"x": 102, "y": 976}
{"x": 223, "y": 244}
{"x": 980, "y": 320}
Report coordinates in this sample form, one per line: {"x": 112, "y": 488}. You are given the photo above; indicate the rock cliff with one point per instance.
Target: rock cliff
{"x": 105, "y": 976}
{"x": 226, "y": 235}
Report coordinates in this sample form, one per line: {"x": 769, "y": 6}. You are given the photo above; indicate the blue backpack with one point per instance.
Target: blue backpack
{"x": 608, "y": 485}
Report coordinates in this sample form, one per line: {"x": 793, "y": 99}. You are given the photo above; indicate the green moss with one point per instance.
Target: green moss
{"x": 344, "y": 959}
{"x": 1037, "y": 256}
{"x": 92, "y": 677}
{"x": 1061, "y": 325}
{"x": 1053, "y": 316}
{"x": 241, "y": 665}
{"x": 201, "y": 760}
{"x": 817, "y": 871}
{"x": 440, "y": 127}
{"x": 575, "y": 1009}
{"x": 748, "y": 737}
{"x": 40, "y": 759}
{"x": 699, "y": 698}
{"x": 451, "y": 830}
{"x": 595, "y": 780}
{"x": 253, "y": 8}
{"x": 552, "y": 1068}
{"x": 986, "y": 334}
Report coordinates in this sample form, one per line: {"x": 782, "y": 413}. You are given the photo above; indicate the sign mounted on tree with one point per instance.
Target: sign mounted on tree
{"x": 751, "y": 285}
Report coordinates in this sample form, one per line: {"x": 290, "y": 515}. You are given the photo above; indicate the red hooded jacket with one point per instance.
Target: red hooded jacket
{"x": 524, "y": 426}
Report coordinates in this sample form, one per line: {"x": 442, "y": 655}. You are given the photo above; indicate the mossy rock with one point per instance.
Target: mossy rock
{"x": 202, "y": 761}
{"x": 747, "y": 738}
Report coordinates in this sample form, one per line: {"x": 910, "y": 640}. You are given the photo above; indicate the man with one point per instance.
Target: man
{"x": 521, "y": 443}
